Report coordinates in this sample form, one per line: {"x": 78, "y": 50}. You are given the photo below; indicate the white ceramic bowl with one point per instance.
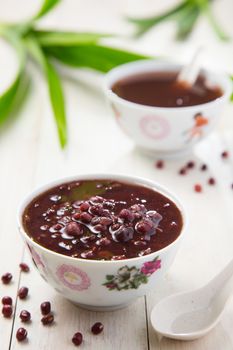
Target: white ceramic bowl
{"x": 162, "y": 131}
{"x": 87, "y": 282}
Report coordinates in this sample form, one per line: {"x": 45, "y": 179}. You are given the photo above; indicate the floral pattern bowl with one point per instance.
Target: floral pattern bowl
{"x": 95, "y": 284}
{"x": 160, "y": 131}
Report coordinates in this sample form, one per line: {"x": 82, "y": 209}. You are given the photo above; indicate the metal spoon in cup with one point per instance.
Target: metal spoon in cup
{"x": 191, "y": 315}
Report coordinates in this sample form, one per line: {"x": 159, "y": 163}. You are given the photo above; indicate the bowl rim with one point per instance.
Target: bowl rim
{"x": 144, "y": 64}
{"x": 95, "y": 176}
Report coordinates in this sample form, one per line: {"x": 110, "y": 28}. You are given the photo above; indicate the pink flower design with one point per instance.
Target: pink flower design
{"x": 73, "y": 278}
{"x": 155, "y": 127}
{"x": 150, "y": 267}
{"x": 36, "y": 257}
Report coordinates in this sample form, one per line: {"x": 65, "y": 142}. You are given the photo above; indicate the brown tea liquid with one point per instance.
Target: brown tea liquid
{"x": 160, "y": 89}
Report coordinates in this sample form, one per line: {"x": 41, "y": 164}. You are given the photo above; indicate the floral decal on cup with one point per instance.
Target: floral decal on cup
{"x": 73, "y": 278}
{"x": 132, "y": 277}
{"x": 155, "y": 127}
{"x": 197, "y": 130}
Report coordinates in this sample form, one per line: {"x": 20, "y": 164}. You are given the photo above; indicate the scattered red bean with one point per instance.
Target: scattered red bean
{"x": 45, "y": 308}
{"x": 7, "y": 311}
{"x": 159, "y": 164}
{"x": 211, "y": 181}
{"x": 203, "y": 167}
{"x": 197, "y": 188}
{"x": 22, "y": 292}
{"x": 25, "y": 316}
{"x": 190, "y": 165}
{"x": 6, "y": 278}
{"x": 21, "y": 334}
{"x": 24, "y": 267}
{"x": 225, "y": 154}
{"x": 47, "y": 319}
{"x": 182, "y": 171}
{"x": 7, "y": 300}
{"x": 77, "y": 339}
{"x": 97, "y": 328}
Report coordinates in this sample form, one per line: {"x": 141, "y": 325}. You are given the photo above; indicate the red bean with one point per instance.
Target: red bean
{"x": 7, "y": 311}
{"x": 24, "y": 267}
{"x": 23, "y": 292}
{"x": 77, "y": 339}
{"x": 47, "y": 319}
{"x": 6, "y": 278}
{"x": 198, "y": 188}
{"x": 7, "y": 300}
{"x": 97, "y": 328}
{"x": 45, "y": 308}
{"x": 211, "y": 181}
{"x": 21, "y": 334}
{"x": 25, "y": 316}
{"x": 159, "y": 164}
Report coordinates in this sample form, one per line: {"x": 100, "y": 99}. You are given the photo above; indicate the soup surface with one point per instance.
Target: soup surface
{"x": 102, "y": 220}
{"x": 160, "y": 89}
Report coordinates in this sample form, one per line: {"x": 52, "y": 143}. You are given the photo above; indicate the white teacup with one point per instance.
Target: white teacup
{"x": 165, "y": 131}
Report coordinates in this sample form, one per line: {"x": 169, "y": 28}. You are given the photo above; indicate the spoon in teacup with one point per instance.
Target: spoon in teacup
{"x": 189, "y": 73}
{"x": 191, "y": 315}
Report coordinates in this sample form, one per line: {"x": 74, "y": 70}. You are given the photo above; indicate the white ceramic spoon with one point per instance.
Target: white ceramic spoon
{"x": 189, "y": 73}
{"x": 191, "y": 315}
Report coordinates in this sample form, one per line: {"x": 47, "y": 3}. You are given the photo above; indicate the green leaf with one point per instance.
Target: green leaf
{"x": 144, "y": 24}
{"x": 21, "y": 94}
{"x": 232, "y": 88}
{"x": 46, "y": 6}
{"x": 109, "y": 277}
{"x": 206, "y": 9}
{"x": 52, "y": 38}
{"x": 7, "y": 99}
{"x": 187, "y": 21}
{"x": 99, "y": 57}
{"x": 54, "y": 87}
{"x": 57, "y": 101}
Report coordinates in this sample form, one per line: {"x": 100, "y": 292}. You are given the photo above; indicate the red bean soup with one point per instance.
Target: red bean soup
{"x": 102, "y": 220}
{"x": 160, "y": 89}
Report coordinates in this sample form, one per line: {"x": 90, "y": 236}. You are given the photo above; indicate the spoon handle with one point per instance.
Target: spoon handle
{"x": 221, "y": 278}
{"x": 189, "y": 73}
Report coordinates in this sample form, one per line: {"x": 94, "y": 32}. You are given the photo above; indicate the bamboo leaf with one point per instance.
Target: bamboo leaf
{"x": 54, "y": 88}
{"x": 99, "y": 57}
{"x": 186, "y": 21}
{"x": 206, "y": 9}
{"x": 51, "y": 38}
{"x": 57, "y": 101}
{"x": 232, "y": 88}
{"x": 7, "y": 99}
{"x": 144, "y": 24}
{"x": 46, "y": 6}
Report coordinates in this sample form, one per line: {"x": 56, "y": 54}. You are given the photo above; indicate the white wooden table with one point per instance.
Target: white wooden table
{"x": 30, "y": 155}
